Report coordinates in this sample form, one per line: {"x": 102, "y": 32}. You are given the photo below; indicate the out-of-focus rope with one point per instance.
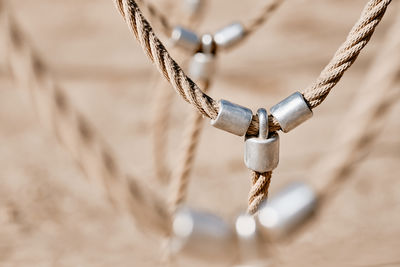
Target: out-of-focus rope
{"x": 182, "y": 172}
{"x": 252, "y": 25}
{"x": 76, "y": 133}
{"x": 161, "y": 121}
{"x": 163, "y": 104}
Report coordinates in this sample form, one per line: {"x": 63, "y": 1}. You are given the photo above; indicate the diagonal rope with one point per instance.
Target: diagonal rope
{"x": 76, "y": 133}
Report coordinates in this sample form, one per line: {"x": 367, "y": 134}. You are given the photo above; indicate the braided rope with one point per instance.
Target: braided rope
{"x": 314, "y": 94}
{"x": 347, "y": 53}
{"x": 373, "y": 102}
{"x": 77, "y": 134}
{"x": 182, "y": 172}
{"x": 345, "y": 56}
{"x": 259, "y": 190}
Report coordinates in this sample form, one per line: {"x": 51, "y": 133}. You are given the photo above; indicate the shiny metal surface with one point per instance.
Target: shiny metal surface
{"x": 233, "y": 118}
{"x": 287, "y": 210}
{"x": 185, "y": 39}
{"x": 192, "y": 6}
{"x": 207, "y": 44}
{"x": 261, "y": 153}
{"x": 229, "y": 35}
{"x": 202, "y": 234}
{"x": 202, "y": 66}
{"x": 291, "y": 112}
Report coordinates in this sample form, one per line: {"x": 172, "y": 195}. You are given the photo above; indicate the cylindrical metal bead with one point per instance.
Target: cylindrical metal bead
{"x": 207, "y": 44}
{"x": 202, "y": 234}
{"x": 233, "y": 118}
{"x": 184, "y": 38}
{"x": 291, "y": 112}
{"x": 262, "y": 153}
{"x": 229, "y": 36}
{"x": 202, "y": 66}
{"x": 287, "y": 210}
{"x": 192, "y": 6}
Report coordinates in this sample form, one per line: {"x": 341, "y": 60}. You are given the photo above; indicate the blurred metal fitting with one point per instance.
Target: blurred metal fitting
{"x": 233, "y": 118}
{"x": 291, "y": 112}
{"x": 287, "y": 210}
{"x": 202, "y": 66}
{"x": 248, "y": 239}
{"x": 185, "y": 39}
{"x": 192, "y": 6}
{"x": 261, "y": 153}
{"x": 245, "y": 226}
{"x": 202, "y": 235}
{"x": 229, "y": 36}
{"x": 207, "y": 44}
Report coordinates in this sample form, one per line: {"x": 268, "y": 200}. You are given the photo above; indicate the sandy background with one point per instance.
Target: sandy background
{"x": 51, "y": 216}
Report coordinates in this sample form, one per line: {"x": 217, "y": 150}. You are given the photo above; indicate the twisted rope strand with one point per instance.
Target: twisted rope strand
{"x": 347, "y": 53}
{"x": 373, "y": 102}
{"x": 314, "y": 94}
{"x": 163, "y": 104}
{"x": 259, "y": 190}
{"x": 77, "y": 134}
{"x": 182, "y": 172}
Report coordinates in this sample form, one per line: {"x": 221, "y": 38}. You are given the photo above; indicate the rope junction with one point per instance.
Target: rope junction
{"x": 344, "y": 57}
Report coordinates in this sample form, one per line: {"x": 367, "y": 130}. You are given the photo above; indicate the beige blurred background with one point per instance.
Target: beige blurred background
{"x": 50, "y": 215}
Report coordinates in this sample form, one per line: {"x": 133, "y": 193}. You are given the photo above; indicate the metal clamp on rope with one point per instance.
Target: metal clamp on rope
{"x": 229, "y": 36}
{"x": 185, "y": 39}
{"x": 291, "y": 112}
{"x": 287, "y": 210}
{"x": 202, "y": 65}
{"x": 233, "y": 118}
{"x": 202, "y": 234}
{"x": 262, "y": 153}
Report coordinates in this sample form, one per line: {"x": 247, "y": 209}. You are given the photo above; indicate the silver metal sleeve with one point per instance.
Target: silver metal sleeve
{"x": 233, "y": 118}
{"x": 229, "y": 36}
{"x": 262, "y": 155}
{"x": 291, "y": 112}
{"x": 202, "y": 66}
{"x": 287, "y": 210}
{"x": 184, "y": 38}
{"x": 202, "y": 234}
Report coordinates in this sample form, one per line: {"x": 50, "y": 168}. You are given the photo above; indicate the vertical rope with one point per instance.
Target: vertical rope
{"x": 182, "y": 172}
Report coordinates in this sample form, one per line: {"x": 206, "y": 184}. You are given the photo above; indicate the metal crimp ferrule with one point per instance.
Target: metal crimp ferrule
{"x": 202, "y": 66}
{"x": 262, "y": 153}
{"x": 184, "y": 38}
{"x": 201, "y": 234}
{"x": 233, "y": 118}
{"x": 287, "y": 210}
{"x": 229, "y": 35}
{"x": 291, "y": 112}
